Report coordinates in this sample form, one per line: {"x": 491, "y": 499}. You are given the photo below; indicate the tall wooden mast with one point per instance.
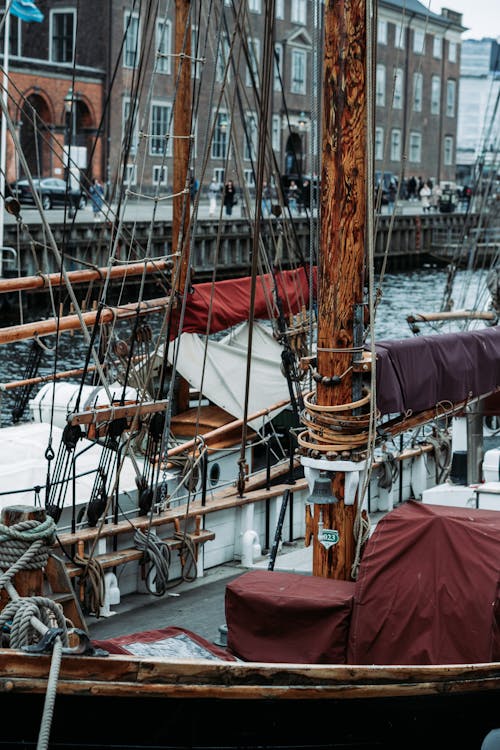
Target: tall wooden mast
{"x": 182, "y": 130}
{"x": 182, "y": 152}
{"x": 342, "y": 234}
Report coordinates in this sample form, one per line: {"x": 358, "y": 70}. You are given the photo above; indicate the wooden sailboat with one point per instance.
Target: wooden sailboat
{"x": 353, "y": 698}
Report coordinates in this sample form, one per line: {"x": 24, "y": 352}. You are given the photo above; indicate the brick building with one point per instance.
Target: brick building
{"x": 105, "y": 83}
{"x": 417, "y": 75}
{"x": 56, "y": 89}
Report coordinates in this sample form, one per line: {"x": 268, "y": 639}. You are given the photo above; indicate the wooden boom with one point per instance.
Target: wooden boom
{"x": 72, "y": 322}
{"x": 40, "y": 281}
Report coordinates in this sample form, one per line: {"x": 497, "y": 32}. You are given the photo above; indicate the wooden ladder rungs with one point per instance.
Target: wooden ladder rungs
{"x": 120, "y": 557}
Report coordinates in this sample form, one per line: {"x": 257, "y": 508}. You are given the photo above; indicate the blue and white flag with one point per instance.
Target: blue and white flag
{"x": 26, "y": 10}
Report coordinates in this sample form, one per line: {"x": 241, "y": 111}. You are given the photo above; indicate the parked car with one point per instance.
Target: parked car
{"x": 52, "y": 191}
{"x": 448, "y": 201}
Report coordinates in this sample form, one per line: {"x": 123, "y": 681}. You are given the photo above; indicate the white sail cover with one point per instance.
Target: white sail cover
{"x": 222, "y": 378}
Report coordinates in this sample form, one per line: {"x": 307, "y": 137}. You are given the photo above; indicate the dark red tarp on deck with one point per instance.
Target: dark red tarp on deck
{"x": 428, "y": 588}
{"x": 230, "y": 300}
{"x": 287, "y": 617}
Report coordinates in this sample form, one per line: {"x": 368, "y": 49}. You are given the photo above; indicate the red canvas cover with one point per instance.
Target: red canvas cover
{"x": 427, "y": 591}
{"x": 287, "y": 617}
{"x": 215, "y": 307}
{"x": 168, "y": 642}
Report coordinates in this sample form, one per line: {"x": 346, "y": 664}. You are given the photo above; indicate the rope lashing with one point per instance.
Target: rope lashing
{"x": 331, "y": 429}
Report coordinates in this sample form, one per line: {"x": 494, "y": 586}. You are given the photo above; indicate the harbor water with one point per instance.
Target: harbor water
{"x": 403, "y": 293}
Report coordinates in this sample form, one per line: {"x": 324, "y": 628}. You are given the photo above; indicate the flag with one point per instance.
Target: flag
{"x": 26, "y": 10}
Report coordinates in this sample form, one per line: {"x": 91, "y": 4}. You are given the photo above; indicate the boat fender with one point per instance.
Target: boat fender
{"x": 250, "y": 548}
{"x": 111, "y": 595}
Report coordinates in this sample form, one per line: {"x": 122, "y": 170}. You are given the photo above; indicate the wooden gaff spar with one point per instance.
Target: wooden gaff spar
{"x": 72, "y": 322}
{"x": 42, "y": 281}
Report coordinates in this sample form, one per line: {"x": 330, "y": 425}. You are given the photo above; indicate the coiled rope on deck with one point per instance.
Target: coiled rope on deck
{"x": 25, "y": 546}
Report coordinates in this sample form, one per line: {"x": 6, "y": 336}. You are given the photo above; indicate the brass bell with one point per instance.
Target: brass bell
{"x": 322, "y": 491}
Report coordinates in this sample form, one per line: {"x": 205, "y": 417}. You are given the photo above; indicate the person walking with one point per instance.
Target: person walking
{"x": 266, "y": 199}
{"x": 96, "y": 193}
{"x": 213, "y": 192}
{"x": 293, "y": 196}
{"x": 229, "y": 197}
{"x": 425, "y": 196}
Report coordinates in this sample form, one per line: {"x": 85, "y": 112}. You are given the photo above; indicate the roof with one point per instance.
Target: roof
{"x": 413, "y": 7}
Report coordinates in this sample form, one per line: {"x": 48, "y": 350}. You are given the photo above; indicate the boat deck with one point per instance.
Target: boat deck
{"x": 197, "y": 606}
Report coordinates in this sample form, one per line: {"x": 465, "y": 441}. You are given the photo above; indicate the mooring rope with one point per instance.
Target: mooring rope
{"x": 25, "y": 546}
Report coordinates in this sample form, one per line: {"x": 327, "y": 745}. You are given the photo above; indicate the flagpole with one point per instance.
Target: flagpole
{"x": 3, "y": 135}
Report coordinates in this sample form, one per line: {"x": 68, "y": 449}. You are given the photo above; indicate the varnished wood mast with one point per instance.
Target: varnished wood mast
{"x": 342, "y": 233}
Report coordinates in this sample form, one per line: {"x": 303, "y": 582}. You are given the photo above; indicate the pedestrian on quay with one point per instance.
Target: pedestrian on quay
{"x": 412, "y": 188}
{"x": 213, "y": 193}
{"x": 293, "y": 195}
{"x": 96, "y": 193}
{"x": 436, "y": 196}
{"x": 230, "y": 198}
{"x": 305, "y": 196}
{"x": 425, "y": 197}
{"x": 266, "y": 199}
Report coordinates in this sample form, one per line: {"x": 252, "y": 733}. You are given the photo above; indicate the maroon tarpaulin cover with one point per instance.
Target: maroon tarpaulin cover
{"x": 215, "y": 307}
{"x": 427, "y": 591}
{"x": 416, "y": 374}
{"x": 287, "y": 617}
{"x": 171, "y": 642}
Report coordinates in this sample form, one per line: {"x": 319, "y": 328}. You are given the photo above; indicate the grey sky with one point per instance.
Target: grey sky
{"x": 480, "y": 16}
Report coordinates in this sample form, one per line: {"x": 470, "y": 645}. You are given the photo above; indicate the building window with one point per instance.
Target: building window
{"x": 280, "y": 8}
{"x": 397, "y": 100}
{"x": 299, "y": 12}
{"x": 382, "y": 32}
{"x": 415, "y": 148}
{"x": 278, "y": 66}
{"x": 252, "y": 74}
{"x": 418, "y": 42}
{"x": 399, "y": 36}
{"x": 130, "y": 132}
{"x": 130, "y": 175}
{"x": 379, "y": 143}
{"x": 450, "y": 98}
{"x": 448, "y": 150}
{"x": 380, "y": 87}
{"x": 131, "y": 46}
{"x": 195, "y": 64}
{"x": 15, "y": 38}
{"x": 418, "y": 80}
{"x": 219, "y": 175}
{"x": 62, "y": 34}
{"x": 220, "y": 140}
{"x": 437, "y": 47}
{"x": 250, "y": 137}
{"x": 276, "y": 133}
{"x": 452, "y": 51}
{"x": 160, "y": 174}
{"x": 163, "y": 46}
{"x": 222, "y": 60}
{"x": 254, "y": 6}
{"x": 435, "y": 95}
{"x": 395, "y": 145}
{"x": 249, "y": 177}
{"x": 298, "y": 71}
{"x": 160, "y": 143}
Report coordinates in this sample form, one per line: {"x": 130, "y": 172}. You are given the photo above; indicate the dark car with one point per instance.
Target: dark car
{"x": 52, "y": 191}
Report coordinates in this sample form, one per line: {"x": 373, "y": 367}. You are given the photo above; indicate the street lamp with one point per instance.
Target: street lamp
{"x": 70, "y": 128}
